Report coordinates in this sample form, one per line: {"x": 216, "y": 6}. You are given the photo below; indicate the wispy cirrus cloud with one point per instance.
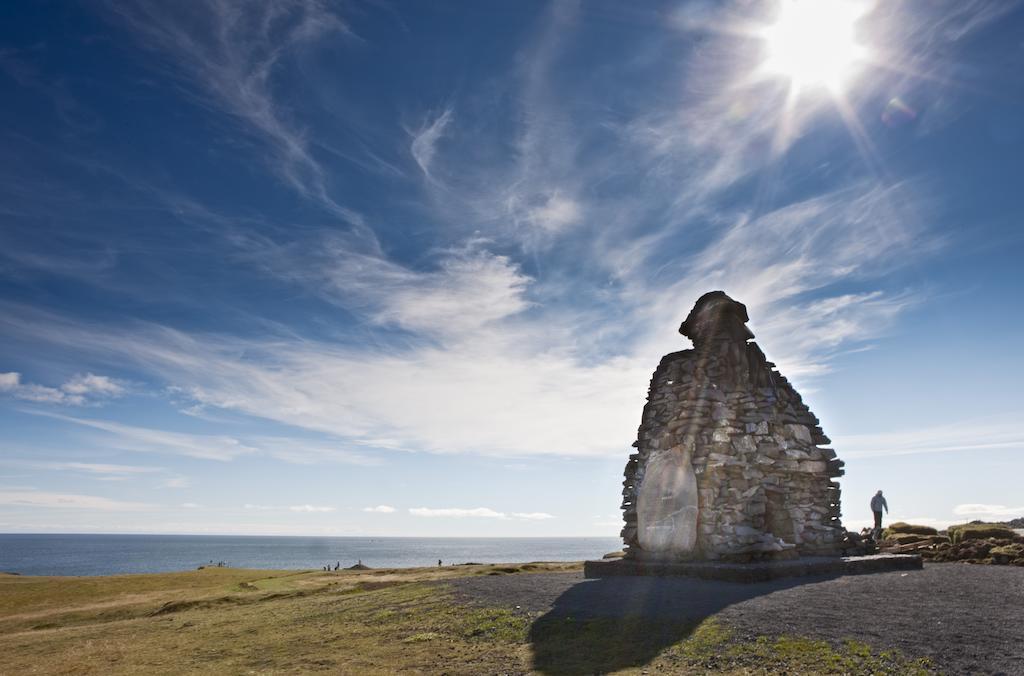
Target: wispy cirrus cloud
{"x": 781, "y": 264}
{"x": 496, "y": 379}
{"x": 491, "y": 392}
{"x": 477, "y": 512}
{"x": 310, "y": 509}
{"x": 51, "y": 500}
{"x": 101, "y": 471}
{"x": 86, "y": 467}
{"x": 493, "y": 358}
{"x": 452, "y": 293}
{"x": 228, "y": 53}
{"x": 424, "y": 140}
{"x": 673, "y": 168}
{"x": 525, "y": 188}
{"x": 532, "y": 516}
{"x": 456, "y": 512}
{"x": 554, "y": 212}
{"x": 470, "y": 288}
{"x": 149, "y": 440}
{"x": 965, "y": 435}
{"x": 79, "y": 390}
{"x": 218, "y": 447}
{"x": 977, "y": 510}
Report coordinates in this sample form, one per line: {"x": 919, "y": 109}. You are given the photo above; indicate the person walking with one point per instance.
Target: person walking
{"x": 878, "y": 503}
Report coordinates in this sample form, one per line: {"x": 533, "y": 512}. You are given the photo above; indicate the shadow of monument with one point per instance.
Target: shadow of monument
{"x": 599, "y": 626}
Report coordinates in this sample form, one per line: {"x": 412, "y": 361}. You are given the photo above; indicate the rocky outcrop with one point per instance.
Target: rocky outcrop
{"x": 976, "y": 542}
{"x": 730, "y": 464}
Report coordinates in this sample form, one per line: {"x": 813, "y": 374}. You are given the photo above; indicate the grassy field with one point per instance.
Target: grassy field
{"x": 233, "y": 621}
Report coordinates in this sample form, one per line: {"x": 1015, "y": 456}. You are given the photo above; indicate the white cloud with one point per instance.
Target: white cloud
{"x": 772, "y": 261}
{"x": 87, "y": 467}
{"x": 478, "y": 512}
{"x": 81, "y": 385}
{"x": 305, "y": 451}
{"x": 292, "y": 508}
{"x": 456, "y": 291}
{"x": 41, "y": 394}
{"x": 9, "y": 381}
{"x": 514, "y": 387}
{"x": 978, "y": 510}
{"x": 380, "y": 509}
{"x": 216, "y": 446}
{"x": 531, "y": 516}
{"x": 424, "y": 142}
{"x": 498, "y": 361}
{"x": 66, "y": 501}
{"x": 190, "y": 505}
{"x": 310, "y": 508}
{"x": 148, "y": 440}
{"x": 79, "y": 390}
{"x": 964, "y": 435}
{"x": 469, "y": 289}
{"x": 555, "y": 213}
{"x": 481, "y": 512}
{"x": 176, "y": 482}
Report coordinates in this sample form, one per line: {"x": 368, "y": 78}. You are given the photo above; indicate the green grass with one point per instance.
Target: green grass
{"x": 637, "y": 645}
{"x": 228, "y": 621}
{"x": 803, "y": 655}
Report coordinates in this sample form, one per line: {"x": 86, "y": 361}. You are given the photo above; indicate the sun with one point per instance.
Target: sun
{"x": 814, "y": 43}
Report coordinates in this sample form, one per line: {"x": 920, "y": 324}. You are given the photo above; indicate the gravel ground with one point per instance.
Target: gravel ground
{"x": 968, "y": 619}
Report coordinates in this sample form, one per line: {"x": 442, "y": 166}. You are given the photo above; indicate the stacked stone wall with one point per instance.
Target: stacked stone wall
{"x": 764, "y": 475}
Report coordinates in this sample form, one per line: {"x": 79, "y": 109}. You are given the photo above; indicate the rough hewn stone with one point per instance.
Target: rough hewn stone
{"x": 728, "y": 464}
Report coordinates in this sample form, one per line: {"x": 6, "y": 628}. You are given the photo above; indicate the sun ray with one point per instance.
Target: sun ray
{"x": 866, "y": 149}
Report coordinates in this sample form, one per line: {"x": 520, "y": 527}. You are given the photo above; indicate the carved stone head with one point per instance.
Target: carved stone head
{"x": 715, "y": 316}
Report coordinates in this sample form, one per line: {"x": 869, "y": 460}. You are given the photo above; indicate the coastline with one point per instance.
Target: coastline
{"x": 512, "y": 618}
{"x": 102, "y": 554}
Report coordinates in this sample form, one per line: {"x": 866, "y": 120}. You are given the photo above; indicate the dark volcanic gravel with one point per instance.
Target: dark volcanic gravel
{"x": 968, "y": 619}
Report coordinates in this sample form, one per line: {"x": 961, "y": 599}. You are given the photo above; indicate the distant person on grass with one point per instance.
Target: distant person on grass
{"x": 877, "y": 504}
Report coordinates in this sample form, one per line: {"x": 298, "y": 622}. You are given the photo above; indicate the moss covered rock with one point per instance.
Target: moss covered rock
{"x": 901, "y": 527}
{"x": 911, "y": 538}
{"x": 1006, "y": 553}
{"x": 979, "y": 531}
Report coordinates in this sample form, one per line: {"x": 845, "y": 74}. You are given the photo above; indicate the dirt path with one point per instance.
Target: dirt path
{"x": 968, "y": 619}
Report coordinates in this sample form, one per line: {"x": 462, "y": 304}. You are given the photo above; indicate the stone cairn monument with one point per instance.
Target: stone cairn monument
{"x": 729, "y": 463}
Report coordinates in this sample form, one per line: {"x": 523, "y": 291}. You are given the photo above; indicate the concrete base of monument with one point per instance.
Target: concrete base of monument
{"x": 755, "y": 572}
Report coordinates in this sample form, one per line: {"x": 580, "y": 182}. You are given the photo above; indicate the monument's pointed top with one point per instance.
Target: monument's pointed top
{"x": 716, "y": 316}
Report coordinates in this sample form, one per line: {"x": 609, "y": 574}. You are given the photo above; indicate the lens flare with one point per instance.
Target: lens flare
{"x": 898, "y": 113}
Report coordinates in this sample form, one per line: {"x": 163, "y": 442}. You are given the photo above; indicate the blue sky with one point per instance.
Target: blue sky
{"x": 375, "y": 268}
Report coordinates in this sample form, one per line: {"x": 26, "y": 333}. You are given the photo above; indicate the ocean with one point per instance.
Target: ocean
{"x": 30, "y": 554}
